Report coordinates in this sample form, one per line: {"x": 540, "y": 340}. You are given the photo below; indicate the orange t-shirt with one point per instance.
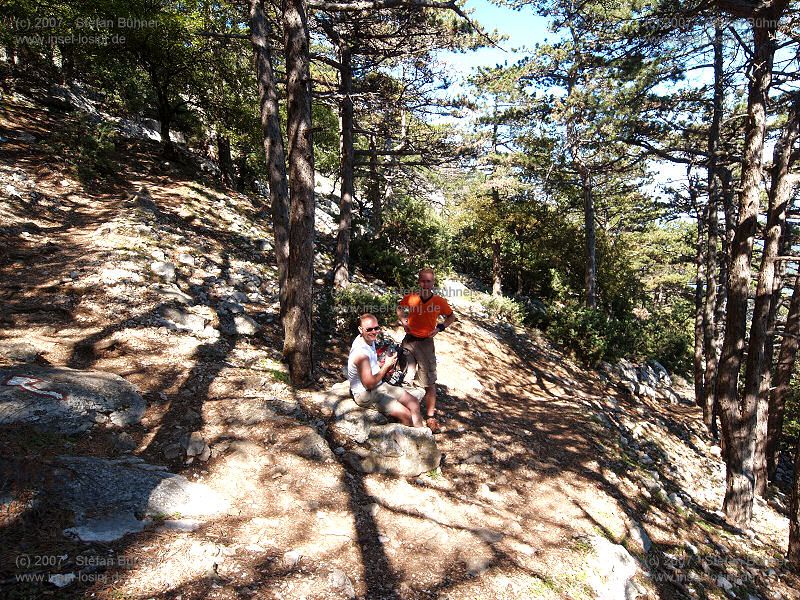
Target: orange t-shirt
{"x": 423, "y": 314}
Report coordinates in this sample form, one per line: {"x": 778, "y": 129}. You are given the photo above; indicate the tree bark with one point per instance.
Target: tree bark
{"x": 376, "y": 222}
{"x": 341, "y": 268}
{"x": 273, "y": 144}
{"x": 783, "y": 376}
{"x": 710, "y": 338}
{"x": 793, "y": 552}
{"x": 497, "y": 271}
{"x": 165, "y": 115}
{"x": 591, "y": 237}
{"x": 297, "y": 347}
{"x": 700, "y": 393}
{"x": 779, "y": 195}
{"x": 738, "y": 421}
{"x": 225, "y": 160}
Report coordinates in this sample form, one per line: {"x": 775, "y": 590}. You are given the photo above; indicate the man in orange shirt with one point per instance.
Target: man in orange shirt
{"x": 419, "y": 315}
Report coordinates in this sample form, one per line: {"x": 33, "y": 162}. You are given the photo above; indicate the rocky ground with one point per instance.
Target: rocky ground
{"x": 151, "y": 447}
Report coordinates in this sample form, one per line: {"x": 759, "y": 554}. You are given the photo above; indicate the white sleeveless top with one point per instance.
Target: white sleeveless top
{"x": 360, "y": 348}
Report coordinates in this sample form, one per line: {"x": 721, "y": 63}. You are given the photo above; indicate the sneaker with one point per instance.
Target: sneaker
{"x": 432, "y": 424}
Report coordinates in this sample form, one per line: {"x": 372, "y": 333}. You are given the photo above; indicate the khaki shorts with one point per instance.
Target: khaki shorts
{"x": 422, "y": 357}
{"x": 382, "y": 397}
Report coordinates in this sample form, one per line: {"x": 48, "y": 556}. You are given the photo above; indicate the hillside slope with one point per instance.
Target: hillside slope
{"x": 555, "y": 483}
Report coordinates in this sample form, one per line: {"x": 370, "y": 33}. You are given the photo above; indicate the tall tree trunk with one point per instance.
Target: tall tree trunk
{"x": 591, "y": 238}
{"x": 273, "y": 144}
{"x": 710, "y": 338}
{"x": 779, "y": 195}
{"x": 297, "y": 346}
{"x": 793, "y": 553}
{"x": 225, "y": 160}
{"x": 165, "y": 115}
{"x": 376, "y": 222}
{"x": 699, "y": 313}
{"x": 497, "y": 271}
{"x": 783, "y": 377}
{"x": 341, "y": 268}
{"x": 738, "y": 419}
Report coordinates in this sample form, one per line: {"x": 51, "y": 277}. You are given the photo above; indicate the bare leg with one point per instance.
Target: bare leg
{"x": 430, "y": 401}
{"x": 399, "y": 411}
{"x": 412, "y": 405}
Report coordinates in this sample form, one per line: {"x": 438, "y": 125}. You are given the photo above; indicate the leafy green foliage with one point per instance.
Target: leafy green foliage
{"x": 353, "y": 301}
{"x": 412, "y": 236}
{"x": 502, "y": 308}
{"x": 88, "y": 150}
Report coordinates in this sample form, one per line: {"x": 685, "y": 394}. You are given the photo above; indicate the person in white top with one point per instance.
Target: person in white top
{"x": 366, "y": 377}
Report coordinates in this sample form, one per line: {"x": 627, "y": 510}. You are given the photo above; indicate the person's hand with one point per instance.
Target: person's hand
{"x": 389, "y": 361}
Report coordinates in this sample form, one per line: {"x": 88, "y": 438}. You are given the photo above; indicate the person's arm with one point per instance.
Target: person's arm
{"x": 365, "y": 372}
{"x": 448, "y": 320}
{"x": 402, "y": 316}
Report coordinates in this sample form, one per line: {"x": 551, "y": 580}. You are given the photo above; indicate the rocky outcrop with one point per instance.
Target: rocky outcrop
{"x": 650, "y": 380}
{"x": 369, "y": 442}
{"x": 66, "y": 400}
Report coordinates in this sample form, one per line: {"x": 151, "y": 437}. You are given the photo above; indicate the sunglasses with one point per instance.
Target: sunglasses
{"x": 371, "y": 329}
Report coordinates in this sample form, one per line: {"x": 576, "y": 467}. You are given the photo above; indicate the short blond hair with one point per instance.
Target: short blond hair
{"x": 426, "y": 270}
{"x": 366, "y": 316}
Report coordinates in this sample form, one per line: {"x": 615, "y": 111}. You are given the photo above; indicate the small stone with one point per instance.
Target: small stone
{"x": 124, "y": 441}
{"x": 692, "y": 549}
{"x": 61, "y": 580}
{"x": 173, "y": 451}
{"x": 186, "y": 259}
{"x": 676, "y": 500}
{"x": 163, "y": 269}
{"x": 292, "y": 558}
{"x": 339, "y": 580}
{"x": 715, "y": 451}
{"x": 195, "y": 445}
{"x": 724, "y": 583}
{"x": 339, "y": 450}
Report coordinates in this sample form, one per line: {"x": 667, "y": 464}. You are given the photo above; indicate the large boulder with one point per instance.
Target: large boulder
{"x": 66, "y": 400}
{"x": 377, "y": 446}
{"x": 111, "y": 498}
{"x": 400, "y": 450}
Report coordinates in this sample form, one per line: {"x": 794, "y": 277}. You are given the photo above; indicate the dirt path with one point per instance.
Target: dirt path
{"x": 532, "y": 470}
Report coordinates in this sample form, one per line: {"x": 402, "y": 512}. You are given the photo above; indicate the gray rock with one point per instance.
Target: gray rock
{"x": 723, "y": 583}
{"x": 195, "y": 444}
{"x": 124, "y": 441}
{"x": 339, "y": 581}
{"x": 314, "y": 447}
{"x": 109, "y": 498}
{"x": 662, "y": 375}
{"x": 66, "y": 400}
{"x": 639, "y": 538}
{"x": 626, "y": 370}
{"x": 186, "y": 259}
{"x": 163, "y": 269}
{"x": 244, "y": 325}
{"x": 61, "y": 580}
{"x": 675, "y": 500}
{"x": 400, "y": 450}
{"x": 19, "y": 351}
{"x": 183, "y": 320}
{"x": 173, "y": 293}
{"x": 615, "y": 568}
{"x": 477, "y": 565}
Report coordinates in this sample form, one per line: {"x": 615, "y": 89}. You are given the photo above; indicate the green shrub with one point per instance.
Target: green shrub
{"x": 591, "y": 334}
{"x": 503, "y": 308}
{"x": 353, "y": 301}
{"x": 412, "y": 237}
{"x": 88, "y": 149}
